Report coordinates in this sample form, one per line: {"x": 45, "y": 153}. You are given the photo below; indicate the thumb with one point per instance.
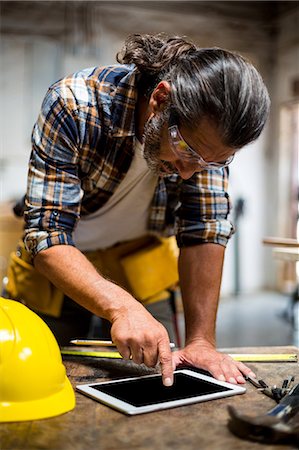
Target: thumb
{"x": 177, "y": 358}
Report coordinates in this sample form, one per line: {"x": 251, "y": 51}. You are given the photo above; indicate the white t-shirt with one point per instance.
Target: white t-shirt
{"x": 125, "y": 215}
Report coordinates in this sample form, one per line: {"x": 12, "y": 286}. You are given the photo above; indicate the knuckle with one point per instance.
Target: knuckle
{"x": 166, "y": 357}
{"x": 151, "y": 360}
{"x": 149, "y": 363}
{"x": 136, "y": 360}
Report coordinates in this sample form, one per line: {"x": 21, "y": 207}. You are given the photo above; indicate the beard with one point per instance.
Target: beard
{"x": 152, "y": 143}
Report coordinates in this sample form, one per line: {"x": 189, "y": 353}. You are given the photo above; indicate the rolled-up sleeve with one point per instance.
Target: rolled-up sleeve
{"x": 203, "y": 216}
{"x": 54, "y": 189}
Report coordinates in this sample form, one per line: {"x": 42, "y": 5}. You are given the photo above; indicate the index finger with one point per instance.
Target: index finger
{"x": 165, "y": 357}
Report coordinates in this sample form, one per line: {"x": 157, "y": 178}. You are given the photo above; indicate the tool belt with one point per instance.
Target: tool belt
{"x": 145, "y": 267}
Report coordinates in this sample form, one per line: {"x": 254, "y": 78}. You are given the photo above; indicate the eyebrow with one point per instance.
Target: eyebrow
{"x": 205, "y": 147}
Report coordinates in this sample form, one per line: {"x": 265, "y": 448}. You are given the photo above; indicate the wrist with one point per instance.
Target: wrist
{"x": 114, "y": 301}
{"x": 202, "y": 341}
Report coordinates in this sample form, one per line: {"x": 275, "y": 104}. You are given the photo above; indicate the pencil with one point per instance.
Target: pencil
{"x": 97, "y": 342}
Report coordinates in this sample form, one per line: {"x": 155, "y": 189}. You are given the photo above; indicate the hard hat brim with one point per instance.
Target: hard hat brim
{"x": 54, "y": 405}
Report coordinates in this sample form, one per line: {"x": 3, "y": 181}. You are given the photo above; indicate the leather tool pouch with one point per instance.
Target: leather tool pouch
{"x": 144, "y": 267}
{"x": 29, "y": 286}
{"x": 152, "y": 269}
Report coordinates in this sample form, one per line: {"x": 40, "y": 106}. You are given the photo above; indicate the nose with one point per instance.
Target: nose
{"x": 186, "y": 170}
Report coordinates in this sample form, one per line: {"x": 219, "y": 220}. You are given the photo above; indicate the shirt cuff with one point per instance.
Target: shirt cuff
{"x": 213, "y": 231}
{"x": 36, "y": 241}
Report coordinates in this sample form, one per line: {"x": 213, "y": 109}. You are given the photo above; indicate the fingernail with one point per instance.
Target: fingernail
{"x": 167, "y": 382}
{"x": 252, "y": 374}
{"x": 240, "y": 379}
{"x": 221, "y": 378}
{"x": 232, "y": 380}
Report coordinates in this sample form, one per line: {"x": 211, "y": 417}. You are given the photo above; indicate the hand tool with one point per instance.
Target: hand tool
{"x": 256, "y": 383}
{"x": 273, "y": 392}
{"x": 279, "y": 425}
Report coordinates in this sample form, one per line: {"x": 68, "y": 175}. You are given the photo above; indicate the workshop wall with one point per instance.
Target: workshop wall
{"x": 42, "y": 41}
{"x": 284, "y": 139}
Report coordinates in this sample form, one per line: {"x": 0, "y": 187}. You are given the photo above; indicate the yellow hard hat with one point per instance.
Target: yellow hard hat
{"x": 33, "y": 381}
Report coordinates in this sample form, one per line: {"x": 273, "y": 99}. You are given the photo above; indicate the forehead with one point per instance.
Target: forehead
{"x": 206, "y": 141}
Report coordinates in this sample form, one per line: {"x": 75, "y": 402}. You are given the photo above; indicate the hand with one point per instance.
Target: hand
{"x": 202, "y": 354}
{"x": 138, "y": 335}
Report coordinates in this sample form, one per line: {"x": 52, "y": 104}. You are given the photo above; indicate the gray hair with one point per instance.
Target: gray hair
{"x": 210, "y": 83}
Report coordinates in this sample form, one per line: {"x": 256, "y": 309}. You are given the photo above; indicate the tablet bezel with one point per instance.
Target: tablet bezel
{"x": 130, "y": 409}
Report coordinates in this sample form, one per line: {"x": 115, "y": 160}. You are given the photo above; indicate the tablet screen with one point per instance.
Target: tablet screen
{"x": 146, "y": 393}
{"x": 149, "y": 391}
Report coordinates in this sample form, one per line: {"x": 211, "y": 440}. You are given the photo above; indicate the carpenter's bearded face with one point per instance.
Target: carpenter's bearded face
{"x": 152, "y": 137}
{"x": 187, "y": 151}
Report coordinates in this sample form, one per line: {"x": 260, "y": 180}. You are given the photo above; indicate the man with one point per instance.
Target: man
{"x": 138, "y": 149}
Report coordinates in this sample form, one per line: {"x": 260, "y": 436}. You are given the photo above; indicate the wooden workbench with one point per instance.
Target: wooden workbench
{"x": 91, "y": 425}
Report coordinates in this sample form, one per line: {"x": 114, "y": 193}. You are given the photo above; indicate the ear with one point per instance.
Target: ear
{"x": 160, "y": 96}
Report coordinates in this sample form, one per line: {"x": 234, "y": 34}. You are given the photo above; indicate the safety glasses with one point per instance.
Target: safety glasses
{"x": 190, "y": 156}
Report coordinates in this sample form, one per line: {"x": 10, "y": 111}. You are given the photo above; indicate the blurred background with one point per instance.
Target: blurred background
{"x": 42, "y": 41}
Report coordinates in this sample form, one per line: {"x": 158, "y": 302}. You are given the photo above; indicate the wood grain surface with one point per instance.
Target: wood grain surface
{"x": 91, "y": 425}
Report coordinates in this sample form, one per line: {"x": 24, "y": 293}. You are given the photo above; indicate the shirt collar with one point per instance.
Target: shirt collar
{"x": 123, "y": 106}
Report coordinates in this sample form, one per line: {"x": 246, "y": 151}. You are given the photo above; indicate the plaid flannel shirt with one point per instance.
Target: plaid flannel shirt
{"x": 82, "y": 147}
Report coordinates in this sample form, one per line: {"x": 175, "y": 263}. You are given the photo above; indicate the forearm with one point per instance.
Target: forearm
{"x": 135, "y": 332}
{"x": 200, "y": 269}
{"x": 68, "y": 269}
{"x": 200, "y": 277}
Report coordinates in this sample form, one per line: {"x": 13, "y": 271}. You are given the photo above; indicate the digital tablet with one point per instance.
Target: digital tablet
{"x": 145, "y": 394}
